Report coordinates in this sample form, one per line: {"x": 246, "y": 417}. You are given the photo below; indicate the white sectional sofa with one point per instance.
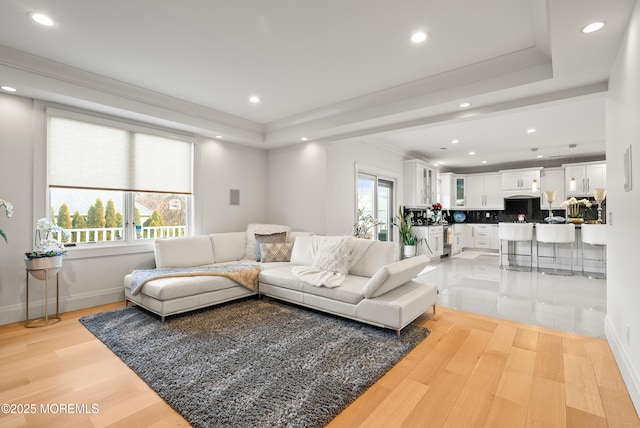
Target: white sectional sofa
{"x": 376, "y": 290}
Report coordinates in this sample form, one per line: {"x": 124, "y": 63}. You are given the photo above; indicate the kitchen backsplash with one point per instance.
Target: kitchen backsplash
{"x": 531, "y": 209}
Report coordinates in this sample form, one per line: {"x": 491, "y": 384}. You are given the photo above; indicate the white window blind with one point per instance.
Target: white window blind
{"x": 93, "y": 156}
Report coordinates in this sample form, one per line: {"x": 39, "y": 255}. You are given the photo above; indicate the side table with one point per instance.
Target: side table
{"x": 46, "y": 319}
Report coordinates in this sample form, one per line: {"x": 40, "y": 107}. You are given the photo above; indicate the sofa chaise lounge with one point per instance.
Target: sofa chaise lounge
{"x": 376, "y": 289}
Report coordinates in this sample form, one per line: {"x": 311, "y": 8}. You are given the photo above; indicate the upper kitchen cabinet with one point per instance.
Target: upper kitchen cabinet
{"x": 517, "y": 182}
{"x": 446, "y": 192}
{"x": 419, "y": 184}
{"x": 581, "y": 179}
{"x": 552, "y": 179}
{"x": 483, "y": 192}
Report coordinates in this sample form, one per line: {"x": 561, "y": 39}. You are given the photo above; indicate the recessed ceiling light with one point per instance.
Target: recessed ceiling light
{"x": 419, "y": 37}
{"x": 483, "y": 162}
{"x": 254, "y": 99}
{"x": 540, "y": 156}
{"x": 440, "y": 163}
{"x": 472, "y": 153}
{"x": 8, "y": 88}
{"x": 41, "y": 19}
{"x": 531, "y": 130}
{"x": 454, "y": 141}
{"x": 593, "y": 27}
{"x": 219, "y": 137}
{"x": 465, "y": 105}
{"x": 304, "y": 139}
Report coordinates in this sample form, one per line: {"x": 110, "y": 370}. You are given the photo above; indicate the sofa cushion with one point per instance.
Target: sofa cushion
{"x": 264, "y": 229}
{"x": 350, "y": 291}
{"x": 281, "y": 277}
{"x": 376, "y": 255}
{"x": 302, "y": 252}
{"x": 332, "y": 253}
{"x": 293, "y": 234}
{"x": 177, "y": 287}
{"x": 395, "y": 274}
{"x": 183, "y": 252}
{"x": 268, "y": 239}
{"x": 275, "y": 252}
{"x": 228, "y": 246}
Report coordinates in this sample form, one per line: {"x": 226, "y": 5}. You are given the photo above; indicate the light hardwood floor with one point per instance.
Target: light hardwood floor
{"x": 472, "y": 371}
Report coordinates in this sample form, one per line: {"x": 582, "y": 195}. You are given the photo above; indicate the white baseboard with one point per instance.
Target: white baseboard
{"x": 629, "y": 374}
{"x": 17, "y": 312}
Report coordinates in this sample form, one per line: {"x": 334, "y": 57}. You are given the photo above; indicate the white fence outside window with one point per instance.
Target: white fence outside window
{"x": 106, "y": 234}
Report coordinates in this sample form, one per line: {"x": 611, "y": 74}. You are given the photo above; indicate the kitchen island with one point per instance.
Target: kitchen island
{"x": 568, "y": 257}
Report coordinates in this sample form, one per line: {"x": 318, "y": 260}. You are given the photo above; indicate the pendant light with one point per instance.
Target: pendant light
{"x": 572, "y": 182}
{"x": 534, "y": 183}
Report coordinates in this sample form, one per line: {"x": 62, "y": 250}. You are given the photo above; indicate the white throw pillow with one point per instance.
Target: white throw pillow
{"x": 333, "y": 253}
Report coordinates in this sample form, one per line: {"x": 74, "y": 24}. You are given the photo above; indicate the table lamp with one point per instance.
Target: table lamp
{"x": 550, "y": 196}
{"x": 599, "y": 194}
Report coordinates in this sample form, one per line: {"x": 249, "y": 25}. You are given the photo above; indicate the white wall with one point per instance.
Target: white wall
{"x": 312, "y": 186}
{"x": 297, "y": 187}
{"x": 221, "y": 167}
{"x": 90, "y": 281}
{"x": 622, "y": 324}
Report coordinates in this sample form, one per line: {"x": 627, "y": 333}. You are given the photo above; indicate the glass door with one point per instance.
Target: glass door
{"x": 375, "y": 202}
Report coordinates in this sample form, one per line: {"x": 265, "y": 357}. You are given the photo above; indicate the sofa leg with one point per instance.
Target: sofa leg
{"x": 162, "y": 319}
{"x": 398, "y": 331}
{"x": 434, "y": 309}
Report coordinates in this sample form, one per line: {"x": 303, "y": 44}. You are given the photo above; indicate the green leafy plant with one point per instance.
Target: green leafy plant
{"x": 403, "y": 223}
{"x": 39, "y": 254}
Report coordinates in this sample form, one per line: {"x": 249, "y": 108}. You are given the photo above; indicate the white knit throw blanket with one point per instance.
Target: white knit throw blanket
{"x": 332, "y": 258}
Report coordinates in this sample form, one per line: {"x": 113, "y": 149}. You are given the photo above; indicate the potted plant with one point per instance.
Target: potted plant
{"x": 8, "y": 207}
{"x": 409, "y": 240}
{"x": 364, "y": 223}
{"x": 48, "y": 253}
{"x": 574, "y": 211}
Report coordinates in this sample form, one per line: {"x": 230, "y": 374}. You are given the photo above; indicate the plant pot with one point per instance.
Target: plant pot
{"x": 409, "y": 250}
{"x": 38, "y": 267}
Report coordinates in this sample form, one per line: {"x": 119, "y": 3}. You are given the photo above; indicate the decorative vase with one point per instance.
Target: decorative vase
{"x": 53, "y": 264}
{"x": 409, "y": 250}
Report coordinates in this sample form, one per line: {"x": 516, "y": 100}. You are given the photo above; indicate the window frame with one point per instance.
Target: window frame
{"x": 41, "y": 190}
{"x": 379, "y": 174}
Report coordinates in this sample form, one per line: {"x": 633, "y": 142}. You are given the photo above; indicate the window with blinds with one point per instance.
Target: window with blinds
{"x": 116, "y": 182}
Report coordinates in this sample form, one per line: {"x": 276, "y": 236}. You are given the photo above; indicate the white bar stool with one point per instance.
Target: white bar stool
{"x": 595, "y": 235}
{"x": 514, "y": 233}
{"x": 555, "y": 234}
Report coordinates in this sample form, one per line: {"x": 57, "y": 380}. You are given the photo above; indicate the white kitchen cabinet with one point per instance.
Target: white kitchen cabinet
{"x": 588, "y": 176}
{"x": 483, "y": 192}
{"x": 495, "y": 238}
{"x": 422, "y": 233}
{"x": 434, "y": 237}
{"x": 466, "y": 234}
{"x": 419, "y": 184}
{"x": 552, "y": 179}
{"x": 457, "y": 244}
{"x": 436, "y": 241}
{"x": 460, "y": 192}
{"x": 482, "y": 236}
{"x": 446, "y": 190}
{"x": 519, "y": 179}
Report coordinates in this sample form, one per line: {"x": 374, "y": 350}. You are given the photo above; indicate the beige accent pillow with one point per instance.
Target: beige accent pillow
{"x": 276, "y": 252}
{"x": 252, "y": 229}
{"x": 268, "y": 239}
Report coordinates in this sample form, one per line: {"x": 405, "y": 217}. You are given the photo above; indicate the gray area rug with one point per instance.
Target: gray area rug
{"x": 253, "y": 363}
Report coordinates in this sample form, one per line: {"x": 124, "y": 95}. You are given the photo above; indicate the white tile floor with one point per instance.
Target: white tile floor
{"x": 473, "y": 282}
